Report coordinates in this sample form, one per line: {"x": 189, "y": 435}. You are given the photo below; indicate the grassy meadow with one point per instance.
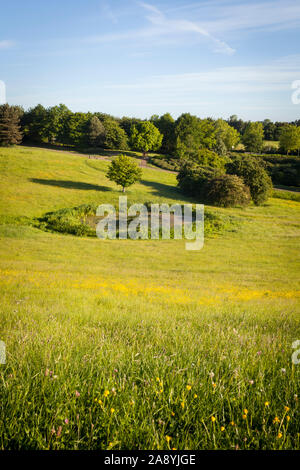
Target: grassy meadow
{"x": 123, "y": 344}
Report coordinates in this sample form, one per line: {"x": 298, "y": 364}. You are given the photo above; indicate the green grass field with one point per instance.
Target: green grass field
{"x": 128, "y": 344}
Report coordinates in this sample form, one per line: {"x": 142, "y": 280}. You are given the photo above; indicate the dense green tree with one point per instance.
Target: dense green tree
{"x": 54, "y": 122}
{"x": 76, "y": 129}
{"x": 33, "y": 124}
{"x": 269, "y": 129}
{"x": 166, "y": 126}
{"x": 253, "y": 137}
{"x": 95, "y": 132}
{"x": 145, "y": 136}
{"x": 115, "y": 136}
{"x": 237, "y": 123}
{"x": 124, "y": 171}
{"x": 290, "y": 138}
{"x": 10, "y": 131}
{"x": 226, "y": 134}
{"x": 254, "y": 176}
{"x": 127, "y": 122}
{"x": 193, "y": 133}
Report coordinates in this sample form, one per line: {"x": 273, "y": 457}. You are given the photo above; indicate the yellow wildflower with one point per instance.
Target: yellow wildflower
{"x": 286, "y": 408}
{"x": 267, "y": 403}
{"x": 232, "y": 423}
{"x": 182, "y": 404}
{"x": 195, "y": 396}
{"x": 222, "y": 428}
{"x": 276, "y": 420}
{"x": 245, "y": 411}
{"x": 213, "y": 419}
{"x": 168, "y": 439}
{"x": 279, "y": 436}
{"x": 288, "y": 418}
{"x": 188, "y": 387}
{"x": 112, "y": 410}
{"x": 106, "y": 393}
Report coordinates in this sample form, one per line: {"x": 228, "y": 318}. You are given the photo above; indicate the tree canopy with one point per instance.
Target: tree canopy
{"x": 290, "y": 138}
{"x": 145, "y": 136}
{"x": 253, "y": 137}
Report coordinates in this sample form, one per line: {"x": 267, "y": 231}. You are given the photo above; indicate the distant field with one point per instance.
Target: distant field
{"x": 142, "y": 344}
{"x": 272, "y": 143}
{"x": 267, "y": 143}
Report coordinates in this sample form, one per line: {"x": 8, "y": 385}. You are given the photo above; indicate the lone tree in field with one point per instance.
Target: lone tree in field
{"x": 124, "y": 172}
{"x": 10, "y": 133}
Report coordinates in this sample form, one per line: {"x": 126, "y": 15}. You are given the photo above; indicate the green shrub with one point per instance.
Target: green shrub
{"x": 193, "y": 179}
{"x": 254, "y": 175}
{"x": 171, "y": 165}
{"x": 208, "y": 158}
{"x": 71, "y": 221}
{"x": 81, "y": 221}
{"x": 227, "y": 191}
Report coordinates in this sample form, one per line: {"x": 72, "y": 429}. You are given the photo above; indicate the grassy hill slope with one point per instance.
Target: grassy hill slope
{"x": 119, "y": 344}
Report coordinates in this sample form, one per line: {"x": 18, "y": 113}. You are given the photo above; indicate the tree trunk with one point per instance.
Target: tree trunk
{"x": 123, "y": 190}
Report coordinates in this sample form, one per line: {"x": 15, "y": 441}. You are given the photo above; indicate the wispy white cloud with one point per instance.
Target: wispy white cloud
{"x": 236, "y": 15}
{"x": 273, "y": 76}
{"x": 162, "y": 26}
{"x": 6, "y": 44}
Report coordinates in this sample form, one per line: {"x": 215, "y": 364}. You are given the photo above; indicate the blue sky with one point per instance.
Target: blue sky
{"x": 126, "y": 57}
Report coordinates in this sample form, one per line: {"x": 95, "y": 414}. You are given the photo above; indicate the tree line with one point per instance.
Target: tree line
{"x": 186, "y": 137}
